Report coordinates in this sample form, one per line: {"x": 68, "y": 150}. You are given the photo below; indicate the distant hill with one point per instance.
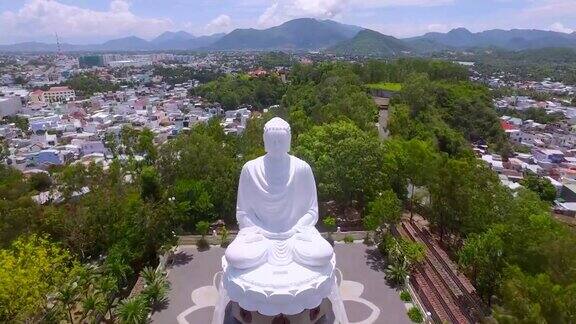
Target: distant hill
{"x": 167, "y": 37}
{"x": 183, "y": 41}
{"x": 297, "y": 34}
{"x": 515, "y": 39}
{"x": 131, "y": 43}
{"x": 371, "y": 43}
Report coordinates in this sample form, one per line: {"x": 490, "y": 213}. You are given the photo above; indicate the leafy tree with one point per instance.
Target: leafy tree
{"x": 193, "y": 201}
{"x": 347, "y": 162}
{"x": 330, "y": 92}
{"x": 146, "y": 145}
{"x": 457, "y": 205}
{"x": 111, "y": 143}
{"x": 413, "y": 163}
{"x": 384, "y": 212}
{"x": 482, "y": 257}
{"x": 40, "y": 181}
{"x": 542, "y": 186}
{"x": 150, "y": 184}
{"x": 199, "y": 157}
{"x": 30, "y": 270}
{"x": 129, "y": 137}
{"x": 535, "y": 299}
{"x": 418, "y": 93}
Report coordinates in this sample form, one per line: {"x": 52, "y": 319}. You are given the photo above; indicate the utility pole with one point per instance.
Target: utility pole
{"x": 59, "y": 50}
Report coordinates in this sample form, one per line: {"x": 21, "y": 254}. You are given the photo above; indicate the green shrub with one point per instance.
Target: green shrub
{"x": 330, "y": 223}
{"x": 415, "y": 315}
{"x": 202, "y": 227}
{"x": 202, "y": 244}
{"x": 405, "y": 296}
{"x": 133, "y": 310}
{"x": 348, "y": 239}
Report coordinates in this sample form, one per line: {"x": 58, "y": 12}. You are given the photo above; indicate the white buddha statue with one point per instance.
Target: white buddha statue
{"x": 277, "y": 208}
{"x": 278, "y": 264}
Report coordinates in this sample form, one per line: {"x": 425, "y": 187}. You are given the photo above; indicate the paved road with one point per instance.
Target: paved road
{"x": 192, "y": 294}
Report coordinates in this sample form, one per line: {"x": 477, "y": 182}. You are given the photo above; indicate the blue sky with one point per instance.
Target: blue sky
{"x": 88, "y": 21}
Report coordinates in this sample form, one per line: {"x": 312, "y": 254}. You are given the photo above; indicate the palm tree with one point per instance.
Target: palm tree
{"x": 108, "y": 286}
{"x": 155, "y": 293}
{"x": 396, "y": 273}
{"x": 133, "y": 310}
{"x": 67, "y": 297}
{"x": 150, "y": 275}
{"x": 93, "y": 306}
{"x": 86, "y": 277}
{"x": 119, "y": 270}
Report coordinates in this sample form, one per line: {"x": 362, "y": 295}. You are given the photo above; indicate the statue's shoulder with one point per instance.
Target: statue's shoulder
{"x": 300, "y": 165}
{"x": 250, "y": 165}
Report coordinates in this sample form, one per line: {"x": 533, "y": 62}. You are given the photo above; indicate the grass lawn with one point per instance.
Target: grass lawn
{"x": 390, "y": 86}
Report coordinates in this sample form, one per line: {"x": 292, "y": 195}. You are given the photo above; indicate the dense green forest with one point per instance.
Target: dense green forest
{"x": 182, "y": 74}
{"x": 234, "y": 90}
{"x": 87, "y": 248}
{"x": 86, "y": 84}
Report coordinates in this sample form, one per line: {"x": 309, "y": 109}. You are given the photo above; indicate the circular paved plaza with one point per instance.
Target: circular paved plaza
{"x": 367, "y": 297}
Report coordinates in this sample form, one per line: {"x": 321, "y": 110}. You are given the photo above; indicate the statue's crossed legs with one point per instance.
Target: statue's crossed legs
{"x": 306, "y": 247}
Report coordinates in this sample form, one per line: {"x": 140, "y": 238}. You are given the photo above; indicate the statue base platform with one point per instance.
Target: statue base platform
{"x": 322, "y": 314}
{"x": 273, "y": 290}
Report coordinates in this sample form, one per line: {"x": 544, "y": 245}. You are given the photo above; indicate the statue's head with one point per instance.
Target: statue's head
{"x": 277, "y": 137}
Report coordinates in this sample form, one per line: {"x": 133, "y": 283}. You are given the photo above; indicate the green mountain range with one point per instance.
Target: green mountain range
{"x": 308, "y": 34}
{"x": 371, "y": 43}
{"x": 297, "y": 34}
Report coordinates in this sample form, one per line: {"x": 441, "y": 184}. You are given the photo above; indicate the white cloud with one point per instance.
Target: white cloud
{"x": 441, "y": 28}
{"x": 220, "y": 24}
{"x": 41, "y": 19}
{"x": 282, "y": 10}
{"x": 401, "y": 3}
{"x": 405, "y": 29}
{"x": 559, "y": 27}
{"x": 542, "y": 9}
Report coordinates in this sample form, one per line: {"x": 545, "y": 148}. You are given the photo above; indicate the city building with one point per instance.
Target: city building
{"x": 59, "y": 94}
